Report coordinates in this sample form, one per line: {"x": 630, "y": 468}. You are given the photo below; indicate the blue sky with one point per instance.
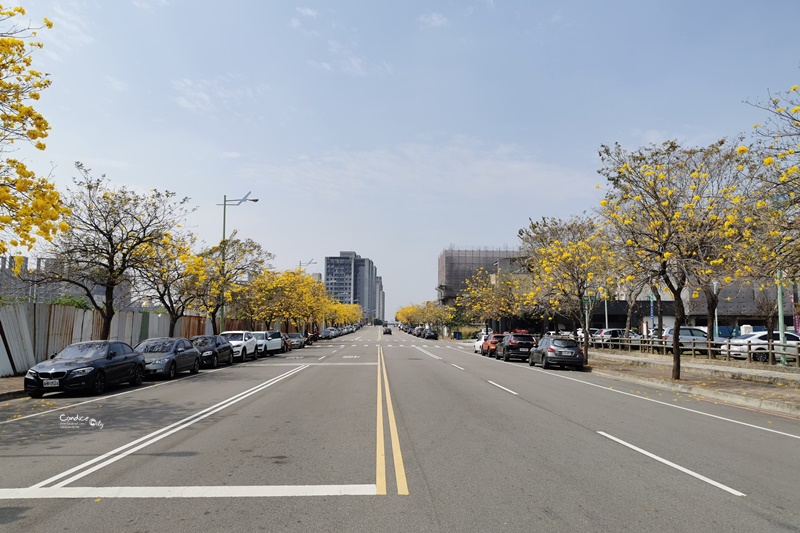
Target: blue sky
{"x": 393, "y": 128}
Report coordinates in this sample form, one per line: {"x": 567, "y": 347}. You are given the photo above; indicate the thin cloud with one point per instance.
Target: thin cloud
{"x": 227, "y": 92}
{"x": 116, "y": 84}
{"x": 434, "y": 20}
{"x": 150, "y": 5}
{"x": 306, "y": 12}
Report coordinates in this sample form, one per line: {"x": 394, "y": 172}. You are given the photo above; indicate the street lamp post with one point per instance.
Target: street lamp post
{"x": 225, "y": 203}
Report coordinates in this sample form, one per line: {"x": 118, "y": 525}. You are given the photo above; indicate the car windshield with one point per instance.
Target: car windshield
{"x": 295, "y": 335}
{"x": 233, "y": 336}
{"x": 155, "y": 346}
{"x": 744, "y": 337}
{"x": 565, "y": 343}
{"x": 202, "y": 342}
{"x": 83, "y": 351}
{"x": 259, "y": 335}
{"x": 523, "y": 338}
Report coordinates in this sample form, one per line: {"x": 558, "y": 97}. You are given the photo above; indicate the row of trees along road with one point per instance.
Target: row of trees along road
{"x": 685, "y": 219}
{"x": 130, "y": 244}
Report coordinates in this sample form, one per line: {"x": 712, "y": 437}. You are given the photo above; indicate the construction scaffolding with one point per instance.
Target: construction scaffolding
{"x": 457, "y": 264}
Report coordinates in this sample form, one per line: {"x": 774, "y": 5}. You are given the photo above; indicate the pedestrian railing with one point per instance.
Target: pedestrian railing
{"x": 721, "y": 349}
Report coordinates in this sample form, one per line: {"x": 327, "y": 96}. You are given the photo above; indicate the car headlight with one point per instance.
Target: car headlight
{"x": 161, "y": 361}
{"x": 31, "y": 373}
{"x": 81, "y": 371}
{"x": 209, "y": 352}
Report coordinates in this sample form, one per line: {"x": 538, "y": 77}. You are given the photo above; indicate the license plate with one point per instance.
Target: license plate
{"x": 50, "y": 383}
{"x": 564, "y": 352}
{"x": 523, "y": 349}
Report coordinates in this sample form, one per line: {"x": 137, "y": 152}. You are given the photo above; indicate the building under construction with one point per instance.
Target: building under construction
{"x": 457, "y": 265}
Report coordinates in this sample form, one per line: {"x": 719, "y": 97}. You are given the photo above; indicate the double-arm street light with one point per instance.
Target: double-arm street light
{"x": 302, "y": 265}
{"x": 225, "y": 203}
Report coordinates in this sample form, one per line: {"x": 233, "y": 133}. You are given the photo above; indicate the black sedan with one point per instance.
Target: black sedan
{"x": 90, "y": 365}
{"x": 213, "y": 350}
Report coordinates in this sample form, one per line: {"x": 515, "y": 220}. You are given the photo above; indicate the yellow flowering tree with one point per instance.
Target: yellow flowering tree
{"x": 171, "y": 276}
{"x": 112, "y": 235}
{"x": 570, "y": 265}
{"x": 30, "y": 206}
{"x": 678, "y": 209}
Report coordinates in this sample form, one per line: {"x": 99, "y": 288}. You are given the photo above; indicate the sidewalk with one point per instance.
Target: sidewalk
{"x": 753, "y": 385}
{"x": 13, "y": 387}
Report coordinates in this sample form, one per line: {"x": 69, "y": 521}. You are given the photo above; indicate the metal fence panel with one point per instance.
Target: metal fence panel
{"x": 17, "y": 337}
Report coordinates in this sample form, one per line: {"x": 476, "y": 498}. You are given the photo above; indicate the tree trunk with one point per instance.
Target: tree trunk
{"x": 108, "y": 313}
{"x": 713, "y": 301}
{"x": 213, "y": 317}
{"x": 173, "y": 321}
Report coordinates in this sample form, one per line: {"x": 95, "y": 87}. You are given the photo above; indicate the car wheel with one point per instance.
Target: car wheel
{"x": 530, "y": 361}
{"x": 545, "y": 364}
{"x": 196, "y": 367}
{"x": 244, "y": 355}
{"x": 505, "y": 356}
{"x": 230, "y": 359}
{"x": 760, "y": 356}
{"x": 138, "y": 376}
{"x": 36, "y": 394}
{"x": 214, "y": 362}
{"x": 496, "y": 355}
{"x": 172, "y": 371}
{"x": 578, "y": 368}
{"x": 99, "y": 385}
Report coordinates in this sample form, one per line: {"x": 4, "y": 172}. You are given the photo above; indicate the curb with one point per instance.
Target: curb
{"x": 12, "y": 395}
{"x": 734, "y": 399}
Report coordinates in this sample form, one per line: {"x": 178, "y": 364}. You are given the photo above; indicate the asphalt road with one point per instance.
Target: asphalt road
{"x": 393, "y": 433}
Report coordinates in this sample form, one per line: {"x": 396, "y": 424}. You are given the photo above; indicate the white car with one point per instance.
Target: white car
{"x": 476, "y": 348}
{"x": 244, "y": 344}
{"x": 268, "y": 342}
{"x": 758, "y": 344}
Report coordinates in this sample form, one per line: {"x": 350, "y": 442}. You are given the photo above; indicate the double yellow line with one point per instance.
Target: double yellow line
{"x": 380, "y": 447}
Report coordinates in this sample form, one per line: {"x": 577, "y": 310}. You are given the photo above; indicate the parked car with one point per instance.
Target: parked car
{"x": 286, "y": 344}
{"x": 563, "y": 351}
{"x": 515, "y": 346}
{"x": 430, "y": 334}
{"x": 758, "y": 344}
{"x": 615, "y": 337}
{"x": 489, "y": 346}
{"x": 243, "y": 342}
{"x": 268, "y": 342}
{"x": 90, "y": 365}
{"x": 476, "y": 346}
{"x": 297, "y": 340}
{"x": 213, "y": 350}
{"x": 326, "y": 334}
{"x": 167, "y": 356}
{"x": 689, "y": 337}
{"x": 387, "y": 331}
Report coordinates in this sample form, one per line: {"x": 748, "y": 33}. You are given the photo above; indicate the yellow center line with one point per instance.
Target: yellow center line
{"x": 399, "y": 468}
{"x": 380, "y": 451}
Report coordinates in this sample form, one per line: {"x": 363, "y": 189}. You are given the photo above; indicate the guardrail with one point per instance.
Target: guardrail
{"x": 702, "y": 348}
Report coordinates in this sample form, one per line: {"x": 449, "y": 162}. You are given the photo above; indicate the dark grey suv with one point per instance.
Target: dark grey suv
{"x": 561, "y": 351}
{"x": 515, "y": 346}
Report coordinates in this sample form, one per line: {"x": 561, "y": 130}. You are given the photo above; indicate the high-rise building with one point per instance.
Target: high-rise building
{"x": 353, "y": 279}
{"x": 458, "y": 265}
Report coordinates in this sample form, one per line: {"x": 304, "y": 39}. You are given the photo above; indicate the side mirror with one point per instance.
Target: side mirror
{"x": 180, "y": 350}
{"x": 111, "y": 354}
{"x": 53, "y": 356}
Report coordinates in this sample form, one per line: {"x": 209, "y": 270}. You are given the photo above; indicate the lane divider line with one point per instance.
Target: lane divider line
{"x": 673, "y": 465}
{"x": 458, "y": 367}
{"x": 501, "y": 387}
{"x": 139, "y": 443}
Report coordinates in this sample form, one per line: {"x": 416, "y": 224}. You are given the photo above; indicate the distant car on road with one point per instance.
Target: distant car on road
{"x": 297, "y": 340}
{"x": 387, "y": 331}
{"x": 489, "y": 346}
{"x": 476, "y": 346}
{"x": 758, "y": 344}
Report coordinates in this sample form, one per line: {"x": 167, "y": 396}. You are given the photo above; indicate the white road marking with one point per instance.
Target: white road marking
{"x": 427, "y": 353}
{"x": 458, "y": 367}
{"x": 127, "y": 449}
{"x": 318, "y": 364}
{"x": 505, "y": 389}
{"x": 263, "y": 491}
{"x": 673, "y": 465}
{"x": 323, "y": 357}
{"x": 137, "y": 389}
